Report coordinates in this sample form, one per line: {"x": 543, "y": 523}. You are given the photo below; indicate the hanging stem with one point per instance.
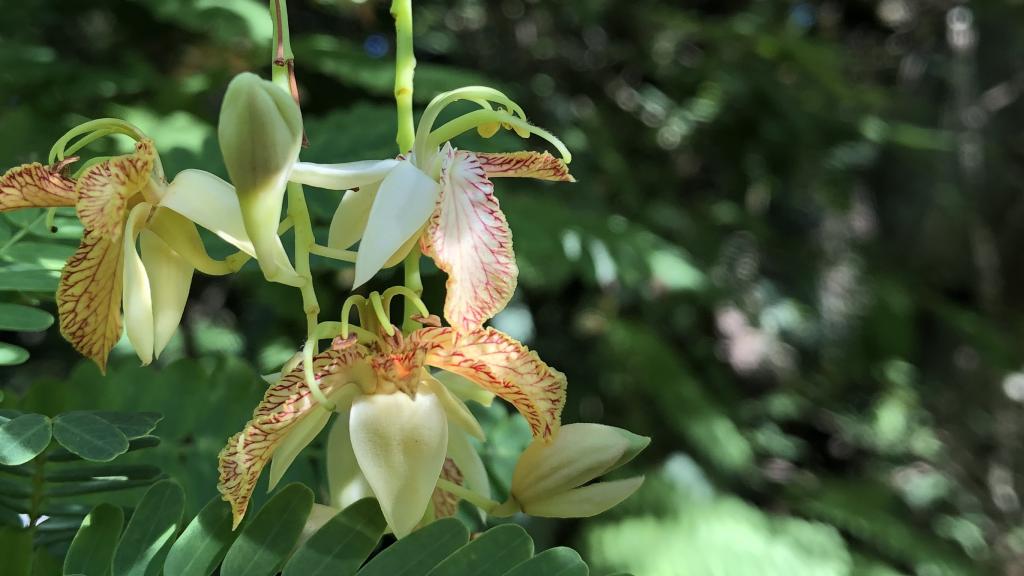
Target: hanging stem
{"x": 304, "y": 240}
{"x": 283, "y": 74}
{"x": 405, "y": 65}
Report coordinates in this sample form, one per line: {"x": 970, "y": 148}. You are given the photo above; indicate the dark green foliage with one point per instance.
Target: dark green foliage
{"x": 792, "y": 257}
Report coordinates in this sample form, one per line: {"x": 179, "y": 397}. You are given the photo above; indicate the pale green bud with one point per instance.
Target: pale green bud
{"x": 551, "y": 478}
{"x": 260, "y": 133}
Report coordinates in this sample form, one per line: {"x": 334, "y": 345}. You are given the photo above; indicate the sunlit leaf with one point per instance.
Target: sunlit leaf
{"x": 92, "y": 549}
{"x": 23, "y": 438}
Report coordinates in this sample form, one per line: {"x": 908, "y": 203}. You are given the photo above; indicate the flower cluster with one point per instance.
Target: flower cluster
{"x": 402, "y": 431}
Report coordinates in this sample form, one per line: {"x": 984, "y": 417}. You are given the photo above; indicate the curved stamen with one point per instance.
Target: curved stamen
{"x": 382, "y": 314}
{"x": 470, "y": 121}
{"x": 109, "y": 125}
{"x": 409, "y": 295}
{"x": 441, "y": 101}
{"x": 311, "y": 380}
{"x": 346, "y": 309}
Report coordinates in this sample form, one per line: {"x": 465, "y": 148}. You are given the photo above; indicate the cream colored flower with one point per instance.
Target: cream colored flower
{"x": 443, "y": 198}
{"x": 399, "y": 429}
{"x": 123, "y": 202}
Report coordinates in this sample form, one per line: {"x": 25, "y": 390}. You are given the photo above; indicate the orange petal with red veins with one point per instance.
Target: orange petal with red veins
{"x": 35, "y": 186}
{"x": 468, "y": 237}
{"x": 446, "y": 503}
{"x": 284, "y": 405}
{"x": 89, "y": 298}
{"x": 104, "y": 190}
{"x": 539, "y": 165}
{"x": 503, "y": 365}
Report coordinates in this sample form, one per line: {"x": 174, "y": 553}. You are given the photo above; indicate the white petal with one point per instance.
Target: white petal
{"x": 585, "y": 502}
{"x": 400, "y": 445}
{"x": 341, "y": 176}
{"x": 404, "y": 202}
{"x": 136, "y": 296}
{"x": 210, "y": 202}
{"x": 300, "y": 436}
{"x": 344, "y": 478}
{"x": 170, "y": 278}
{"x": 350, "y": 218}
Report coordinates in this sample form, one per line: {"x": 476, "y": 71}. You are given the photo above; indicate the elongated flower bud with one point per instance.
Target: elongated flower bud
{"x": 551, "y": 478}
{"x": 260, "y": 134}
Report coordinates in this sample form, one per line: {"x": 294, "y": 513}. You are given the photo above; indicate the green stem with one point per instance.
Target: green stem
{"x": 333, "y": 253}
{"x": 283, "y": 74}
{"x": 405, "y": 65}
{"x": 414, "y": 283}
{"x": 471, "y": 120}
{"x": 304, "y": 240}
{"x": 405, "y": 68}
{"x": 38, "y": 484}
{"x": 473, "y": 498}
{"x": 282, "y": 45}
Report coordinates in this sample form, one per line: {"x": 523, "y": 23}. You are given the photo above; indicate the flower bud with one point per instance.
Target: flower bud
{"x": 550, "y": 478}
{"x": 260, "y": 134}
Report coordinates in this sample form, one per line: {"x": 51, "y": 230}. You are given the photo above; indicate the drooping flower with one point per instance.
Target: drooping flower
{"x": 121, "y": 201}
{"x": 443, "y": 198}
{"x": 398, "y": 425}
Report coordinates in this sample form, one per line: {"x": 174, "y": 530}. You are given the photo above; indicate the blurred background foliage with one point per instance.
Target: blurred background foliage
{"x": 792, "y": 256}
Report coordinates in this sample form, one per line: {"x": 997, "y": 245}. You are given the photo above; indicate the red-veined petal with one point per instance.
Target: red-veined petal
{"x": 503, "y": 365}
{"x": 539, "y": 165}
{"x": 89, "y": 298}
{"x": 469, "y": 238}
{"x": 104, "y": 190}
{"x": 35, "y": 186}
{"x": 284, "y": 405}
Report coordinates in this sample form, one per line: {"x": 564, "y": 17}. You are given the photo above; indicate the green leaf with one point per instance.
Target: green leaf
{"x": 16, "y": 551}
{"x": 11, "y": 355}
{"x": 48, "y": 255}
{"x": 419, "y": 552}
{"x": 24, "y": 318}
{"x": 89, "y": 436}
{"x": 204, "y": 542}
{"x": 495, "y": 552}
{"x": 64, "y": 455}
{"x": 132, "y": 424}
{"x": 97, "y": 486}
{"x": 92, "y": 550}
{"x": 264, "y": 543}
{"x": 148, "y": 536}
{"x": 341, "y": 546}
{"x": 29, "y": 280}
{"x": 23, "y": 438}
{"x": 125, "y": 471}
{"x": 559, "y": 561}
